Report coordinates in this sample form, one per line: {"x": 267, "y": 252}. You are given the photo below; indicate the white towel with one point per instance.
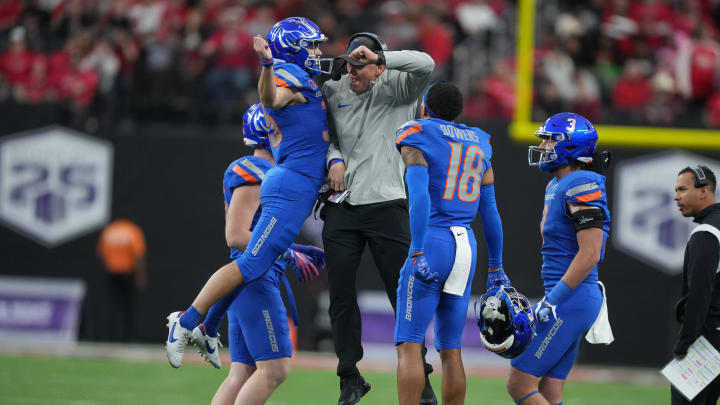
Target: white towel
{"x": 600, "y": 332}
{"x": 458, "y": 277}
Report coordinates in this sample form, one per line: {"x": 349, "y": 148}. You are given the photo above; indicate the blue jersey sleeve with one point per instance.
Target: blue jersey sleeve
{"x": 408, "y": 135}
{"x": 293, "y": 76}
{"x": 587, "y": 188}
{"x": 244, "y": 171}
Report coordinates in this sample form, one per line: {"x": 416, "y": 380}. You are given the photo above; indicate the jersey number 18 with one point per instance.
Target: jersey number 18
{"x": 470, "y": 171}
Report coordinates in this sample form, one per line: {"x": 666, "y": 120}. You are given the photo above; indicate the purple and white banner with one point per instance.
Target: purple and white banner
{"x": 646, "y": 222}
{"x": 38, "y": 310}
{"x": 55, "y": 183}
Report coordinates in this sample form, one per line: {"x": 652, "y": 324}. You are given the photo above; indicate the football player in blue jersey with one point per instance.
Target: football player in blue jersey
{"x": 258, "y": 332}
{"x": 574, "y": 227}
{"x": 450, "y": 179}
{"x": 295, "y": 113}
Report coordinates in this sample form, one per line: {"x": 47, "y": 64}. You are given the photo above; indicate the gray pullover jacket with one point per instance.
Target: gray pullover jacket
{"x": 366, "y": 123}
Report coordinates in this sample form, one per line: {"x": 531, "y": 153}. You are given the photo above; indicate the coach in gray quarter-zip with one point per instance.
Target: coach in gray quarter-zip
{"x": 377, "y": 94}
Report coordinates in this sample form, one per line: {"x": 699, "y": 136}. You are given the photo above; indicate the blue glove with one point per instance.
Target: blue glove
{"x": 420, "y": 267}
{"x": 543, "y": 309}
{"x": 315, "y": 254}
{"x": 548, "y": 305}
{"x": 304, "y": 268}
{"x": 497, "y": 278}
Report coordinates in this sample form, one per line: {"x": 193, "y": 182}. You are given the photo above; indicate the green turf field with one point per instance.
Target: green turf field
{"x": 72, "y": 381}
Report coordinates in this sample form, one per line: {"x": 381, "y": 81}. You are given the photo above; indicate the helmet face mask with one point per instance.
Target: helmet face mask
{"x": 574, "y": 139}
{"x": 316, "y": 63}
{"x": 506, "y": 321}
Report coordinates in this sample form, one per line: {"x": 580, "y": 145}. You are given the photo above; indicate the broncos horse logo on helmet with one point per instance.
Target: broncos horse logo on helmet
{"x": 290, "y": 39}
{"x": 506, "y": 321}
{"x": 575, "y": 140}
{"x": 255, "y": 129}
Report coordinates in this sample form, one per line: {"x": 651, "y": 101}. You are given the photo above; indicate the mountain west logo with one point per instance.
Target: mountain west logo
{"x": 647, "y": 224}
{"x": 55, "y": 184}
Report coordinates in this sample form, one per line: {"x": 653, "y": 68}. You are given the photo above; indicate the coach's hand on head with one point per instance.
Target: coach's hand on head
{"x": 364, "y": 55}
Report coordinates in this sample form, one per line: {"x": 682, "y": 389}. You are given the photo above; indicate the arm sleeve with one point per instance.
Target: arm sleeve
{"x": 703, "y": 256}
{"x": 415, "y": 71}
{"x": 417, "y": 180}
{"x": 333, "y": 153}
{"x": 492, "y": 225}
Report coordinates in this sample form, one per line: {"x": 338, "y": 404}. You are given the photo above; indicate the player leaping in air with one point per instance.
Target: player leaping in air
{"x": 258, "y": 332}
{"x": 449, "y": 179}
{"x": 295, "y": 113}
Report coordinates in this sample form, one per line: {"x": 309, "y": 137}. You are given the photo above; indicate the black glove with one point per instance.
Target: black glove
{"x": 681, "y": 349}
{"x": 339, "y": 68}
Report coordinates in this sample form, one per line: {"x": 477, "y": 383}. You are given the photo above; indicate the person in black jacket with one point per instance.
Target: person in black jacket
{"x": 698, "y": 310}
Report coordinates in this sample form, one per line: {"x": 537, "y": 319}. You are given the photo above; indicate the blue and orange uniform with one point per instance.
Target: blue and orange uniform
{"x": 257, "y": 319}
{"x": 299, "y": 141}
{"x": 553, "y": 354}
{"x": 457, "y": 157}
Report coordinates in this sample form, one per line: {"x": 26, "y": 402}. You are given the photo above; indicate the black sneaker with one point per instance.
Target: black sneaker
{"x": 428, "y": 395}
{"x": 353, "y": 388}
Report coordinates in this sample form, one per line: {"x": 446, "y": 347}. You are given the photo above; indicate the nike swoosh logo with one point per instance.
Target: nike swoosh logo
{"x": 344, "y": 105}
{"x": 171, "y": 338}
{"x": 207, "y": 346}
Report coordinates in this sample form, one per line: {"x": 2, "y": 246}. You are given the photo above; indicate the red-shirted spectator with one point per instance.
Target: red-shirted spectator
{"x": 436, "y": 39}
{"x": 712, "y": 111}
{"x": 79, "y": 87}
{"x": 619, "y": 26}
{"x": 16, "y": 62}
{"x": 699, "y": 65}
{"x": 654, "y": 10}
{"x": 632, "y": 91}
{"x": 9, "y": 13}
{"x": 234, "y": 57}
{"x": 38, "y": 87}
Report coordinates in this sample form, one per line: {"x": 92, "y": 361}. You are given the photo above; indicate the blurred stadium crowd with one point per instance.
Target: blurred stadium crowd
{"x": 647, "y": 62}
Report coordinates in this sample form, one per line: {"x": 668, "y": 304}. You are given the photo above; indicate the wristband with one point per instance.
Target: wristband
{"x": 267, "y": 62}
{"x": 333, "y": 161}
{"x": 559, "y": 293}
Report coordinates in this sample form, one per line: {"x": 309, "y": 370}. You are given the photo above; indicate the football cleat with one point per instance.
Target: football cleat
{"x": 178, "y": 338}
{"x": 208, "y": 346}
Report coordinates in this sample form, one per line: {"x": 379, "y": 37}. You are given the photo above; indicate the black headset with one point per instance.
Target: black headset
{"x": 378, "y": 41}
{"x": 700, "y": 178}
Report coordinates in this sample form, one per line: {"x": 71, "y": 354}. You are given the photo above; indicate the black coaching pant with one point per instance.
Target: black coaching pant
{"x": 385, "y": 228}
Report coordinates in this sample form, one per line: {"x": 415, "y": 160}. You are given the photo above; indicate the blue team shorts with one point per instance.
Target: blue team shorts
{"x": 257, "y": 321}
{"x": 554, "y": 349}
{"x": 418, "y": 301}
{"x": 286, "y": 198}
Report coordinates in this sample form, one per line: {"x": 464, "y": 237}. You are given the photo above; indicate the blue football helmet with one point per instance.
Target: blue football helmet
{"x": 506, "y": 321}
{"x": 575, "y": 139}
{"x": 290, "y": 39}
{"x": 255, "y": 129}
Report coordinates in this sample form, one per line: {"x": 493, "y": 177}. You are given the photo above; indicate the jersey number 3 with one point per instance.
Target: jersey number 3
{"x": 470, "y": 171}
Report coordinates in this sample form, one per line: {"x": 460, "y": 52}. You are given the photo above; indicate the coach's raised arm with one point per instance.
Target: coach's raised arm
{"x": 374, "y": 93}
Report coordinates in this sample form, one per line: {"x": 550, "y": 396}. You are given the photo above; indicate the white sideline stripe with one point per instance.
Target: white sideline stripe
{"x": 478, "y": 363}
